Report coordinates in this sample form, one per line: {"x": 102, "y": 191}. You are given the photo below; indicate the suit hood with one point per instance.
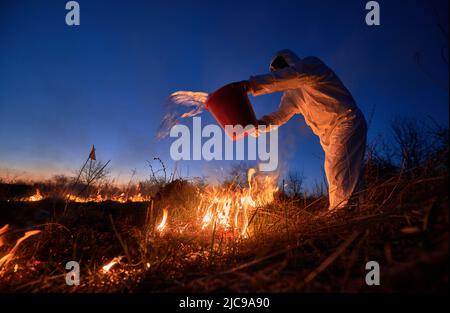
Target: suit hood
{"x": 290, "y": 57}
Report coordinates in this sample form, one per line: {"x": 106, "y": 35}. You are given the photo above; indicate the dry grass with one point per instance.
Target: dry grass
{"x": 294, "y": 246}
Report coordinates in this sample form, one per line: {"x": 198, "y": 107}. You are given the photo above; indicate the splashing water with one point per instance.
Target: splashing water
{"x": 175, "y": 109}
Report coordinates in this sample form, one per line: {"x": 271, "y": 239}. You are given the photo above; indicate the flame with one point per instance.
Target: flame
{"x": 8, "y": 257}
{"x": 137, "y": 198}
{"x": 122, "y": 198}
{"x": 207, "y": 219}
{"x": 230, "y": 209}
{"x": 162, "y": 225}
{"x": 97, "y": 197}
{"x": 227, "y": 209}
{"x": 250, "y": 173}
{"x": 3, "y": 231}
{"x": 113, "y": 262}
{"x": 36, "y": 197}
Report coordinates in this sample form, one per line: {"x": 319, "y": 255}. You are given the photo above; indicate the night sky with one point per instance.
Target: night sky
{"x": 105, "y": 82}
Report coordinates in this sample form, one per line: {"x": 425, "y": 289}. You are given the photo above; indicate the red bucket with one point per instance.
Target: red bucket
{"x": 230, "y": 106}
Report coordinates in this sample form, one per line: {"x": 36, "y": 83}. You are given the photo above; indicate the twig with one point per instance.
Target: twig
{"x": 163, "y": 166}
{"x": 122, "y": 243}
{"x": 259, "y": 260}
{"x": 328, "y": 261}
{"x": 213, "y": 237}
{"x": 352, "y": 259}
{"x": 133, "y": 173}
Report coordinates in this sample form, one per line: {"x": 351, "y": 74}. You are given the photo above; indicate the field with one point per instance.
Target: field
{"x": 180, "y": 235}
{"x": 407, "y": 233}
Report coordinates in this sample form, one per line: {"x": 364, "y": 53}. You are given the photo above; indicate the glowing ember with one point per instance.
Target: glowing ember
{"x": 113, "y": 262}
{"x": 162, "y": 225}
{"x": 36, "y": 197}
{"x": 8, "y": 257}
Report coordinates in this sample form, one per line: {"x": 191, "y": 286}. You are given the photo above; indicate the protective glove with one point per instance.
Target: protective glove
{"x": 264, "y": 121}
{"x": 245, "y": 84}
{"x": 267, "y": 122}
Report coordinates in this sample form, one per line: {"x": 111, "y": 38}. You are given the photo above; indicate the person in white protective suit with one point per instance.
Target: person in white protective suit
{"x": 312, "y": 89}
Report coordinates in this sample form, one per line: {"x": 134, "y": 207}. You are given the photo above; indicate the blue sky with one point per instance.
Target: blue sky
{"x": 105, "y": 82}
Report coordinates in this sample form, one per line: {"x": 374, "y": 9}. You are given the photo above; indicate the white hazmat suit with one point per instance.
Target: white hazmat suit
{"x": 312, "y": 89}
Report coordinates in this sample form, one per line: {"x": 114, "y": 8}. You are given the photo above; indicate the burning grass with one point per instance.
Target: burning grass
{"x": 199, "y": 238}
